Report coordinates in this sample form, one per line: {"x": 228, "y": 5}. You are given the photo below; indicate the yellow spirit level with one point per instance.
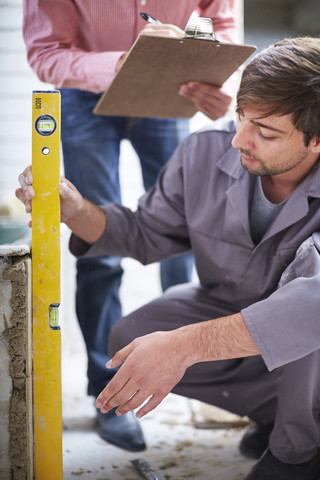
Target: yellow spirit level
{"x": 46, "y": 285}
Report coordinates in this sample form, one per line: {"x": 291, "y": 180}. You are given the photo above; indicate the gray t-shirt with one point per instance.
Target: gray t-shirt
{"x": 262, "y": 212}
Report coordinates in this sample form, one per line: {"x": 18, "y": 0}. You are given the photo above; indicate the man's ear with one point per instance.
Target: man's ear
{"x": 315, "y": 144}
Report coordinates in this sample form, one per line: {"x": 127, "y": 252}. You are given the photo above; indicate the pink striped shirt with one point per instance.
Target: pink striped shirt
{"x": 77, "y": 43}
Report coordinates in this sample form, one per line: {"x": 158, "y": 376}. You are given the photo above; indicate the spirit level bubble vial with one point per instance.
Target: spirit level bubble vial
{"x": 46, "y": 285}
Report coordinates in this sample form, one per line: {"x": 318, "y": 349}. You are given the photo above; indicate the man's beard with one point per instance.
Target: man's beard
{"x": 264, "y": 171}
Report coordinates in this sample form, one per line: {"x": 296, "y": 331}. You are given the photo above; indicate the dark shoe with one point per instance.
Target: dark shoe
{"x": 124, "y": 432}
{"x": 270, "y": 468}
{"x": 256, "y": 439}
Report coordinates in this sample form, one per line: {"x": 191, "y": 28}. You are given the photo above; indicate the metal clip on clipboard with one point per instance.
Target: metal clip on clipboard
{"x": 202, "y": 28}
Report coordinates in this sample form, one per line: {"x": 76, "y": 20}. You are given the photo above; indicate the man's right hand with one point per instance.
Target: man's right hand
{"x": 71, "y": 200}
{"x": 86, "y": 220}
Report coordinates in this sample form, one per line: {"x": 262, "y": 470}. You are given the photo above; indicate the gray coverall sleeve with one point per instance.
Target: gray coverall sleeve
{"x": 286, "y": 325}
{"x": 156, "y": 230}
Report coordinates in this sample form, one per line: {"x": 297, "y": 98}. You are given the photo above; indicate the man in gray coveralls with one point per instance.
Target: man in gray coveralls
{"x": 243, "y": 198}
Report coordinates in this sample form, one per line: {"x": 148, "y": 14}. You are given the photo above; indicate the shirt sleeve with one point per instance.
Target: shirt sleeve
{"x": 155, "y": 231}
{"x": 286, "y": 325}
{"x": 50, "y": 31}
{"x": 222, "y": 13}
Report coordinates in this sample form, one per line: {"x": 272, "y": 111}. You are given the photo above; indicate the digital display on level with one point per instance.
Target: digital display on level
{"x": 45, "y": 125}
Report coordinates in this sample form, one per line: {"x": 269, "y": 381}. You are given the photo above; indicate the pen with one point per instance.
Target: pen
{"x": 150, "y": 19}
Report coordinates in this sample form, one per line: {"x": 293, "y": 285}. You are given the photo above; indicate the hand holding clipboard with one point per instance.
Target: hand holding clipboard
{"x": 148, "y": 82}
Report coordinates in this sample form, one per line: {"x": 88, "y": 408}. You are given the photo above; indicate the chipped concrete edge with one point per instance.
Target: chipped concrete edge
{"x": 14, "y": 250}
{"x": 16, "y": 348}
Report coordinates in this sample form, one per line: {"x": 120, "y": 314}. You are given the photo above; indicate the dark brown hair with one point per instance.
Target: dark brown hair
{"x": 285, "y": 79}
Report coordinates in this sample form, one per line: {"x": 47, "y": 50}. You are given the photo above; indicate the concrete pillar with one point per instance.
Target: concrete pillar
{"x": 16, "y": 439}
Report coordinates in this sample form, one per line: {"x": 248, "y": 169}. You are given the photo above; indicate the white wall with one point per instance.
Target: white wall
{"x": 17, "y": 81}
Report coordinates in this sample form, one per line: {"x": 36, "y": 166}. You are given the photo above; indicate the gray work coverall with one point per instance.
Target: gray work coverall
{"x": 201, "y": 201}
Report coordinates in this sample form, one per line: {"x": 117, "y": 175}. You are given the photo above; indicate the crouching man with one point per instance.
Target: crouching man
{"x": 243, "y": 197}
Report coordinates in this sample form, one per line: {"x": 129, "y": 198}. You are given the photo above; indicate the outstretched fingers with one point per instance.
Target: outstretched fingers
{"x": 134, "y": 400}
{"x": 150, "y": 405}
{"x": 120, "y": 388}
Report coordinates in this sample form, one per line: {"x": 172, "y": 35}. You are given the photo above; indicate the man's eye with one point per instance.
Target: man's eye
{"x": 264, "y": 137}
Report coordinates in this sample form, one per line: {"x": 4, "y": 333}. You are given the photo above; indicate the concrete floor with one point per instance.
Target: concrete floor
{"x": 176, "y": 448}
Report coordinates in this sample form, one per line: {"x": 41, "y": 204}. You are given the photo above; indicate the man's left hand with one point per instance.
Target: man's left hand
{"x": 212, "y": 101}
{"x": 150, "y": 366}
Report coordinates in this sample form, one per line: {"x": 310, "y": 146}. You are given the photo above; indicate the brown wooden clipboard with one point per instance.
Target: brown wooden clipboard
{"x": 149, "y": 79}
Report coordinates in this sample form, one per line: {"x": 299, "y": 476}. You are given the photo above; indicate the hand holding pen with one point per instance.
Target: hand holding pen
{"x": 155, "y": 27}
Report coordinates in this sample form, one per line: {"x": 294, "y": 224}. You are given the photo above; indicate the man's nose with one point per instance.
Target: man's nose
{"x": 243, "y": 137}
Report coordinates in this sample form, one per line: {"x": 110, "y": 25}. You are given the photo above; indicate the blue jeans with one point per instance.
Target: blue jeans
{"x": 91, "y": 147}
